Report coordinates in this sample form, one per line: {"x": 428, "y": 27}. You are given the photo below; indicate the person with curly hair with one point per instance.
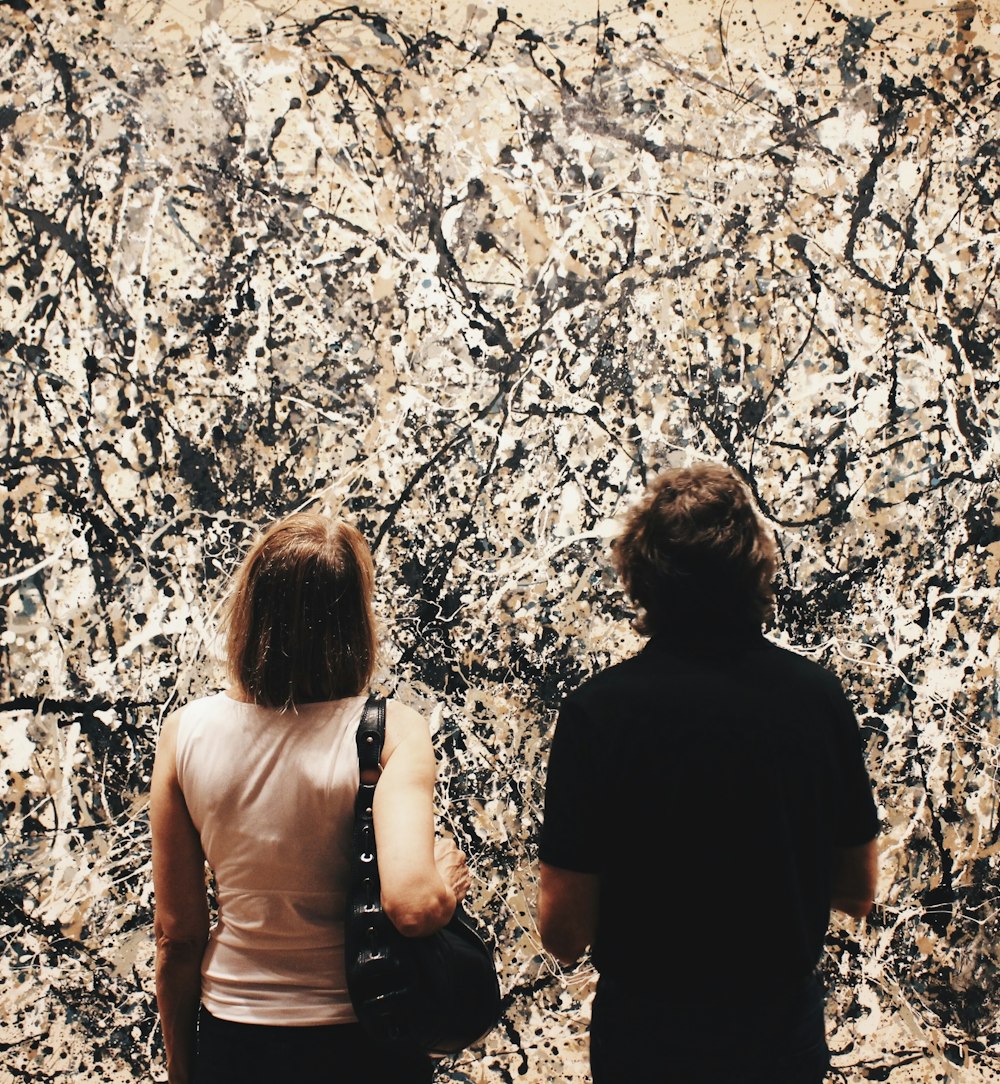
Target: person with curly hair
{"x": 707, "y": 804}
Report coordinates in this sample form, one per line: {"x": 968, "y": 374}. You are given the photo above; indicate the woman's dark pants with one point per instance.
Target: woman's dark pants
{"x": 230, "y": 1053}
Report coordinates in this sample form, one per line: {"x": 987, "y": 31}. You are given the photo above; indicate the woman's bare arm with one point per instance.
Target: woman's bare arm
{"x": 418, "y": 893}
{"x": 181, "y": 909}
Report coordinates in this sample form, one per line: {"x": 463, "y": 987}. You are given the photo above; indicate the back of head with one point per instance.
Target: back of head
{"x": 695, "y": 553}
{"x": 299, "y": 621}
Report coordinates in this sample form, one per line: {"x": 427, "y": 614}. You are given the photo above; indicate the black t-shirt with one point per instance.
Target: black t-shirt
{"x": 708, "y": 791}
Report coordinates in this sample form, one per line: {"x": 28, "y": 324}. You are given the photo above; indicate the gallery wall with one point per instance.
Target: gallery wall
{"x": 470, "y": 275}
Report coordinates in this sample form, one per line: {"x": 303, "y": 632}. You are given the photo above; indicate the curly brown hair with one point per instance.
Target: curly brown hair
{"x": 695, "y": 550}
{"x": 298, "y": 620}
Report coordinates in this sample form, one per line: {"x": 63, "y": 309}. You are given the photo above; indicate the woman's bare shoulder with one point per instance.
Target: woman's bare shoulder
{"x": 402, "y": 715}
{"x": 168, "y": 727}
{"x": 404, "y": 724}
{"x": 170, "y": 724}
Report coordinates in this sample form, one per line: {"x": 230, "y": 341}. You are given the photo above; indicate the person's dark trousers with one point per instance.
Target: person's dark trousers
{"x": 231, "y": 1053}
{"x": 761, "y": 1038}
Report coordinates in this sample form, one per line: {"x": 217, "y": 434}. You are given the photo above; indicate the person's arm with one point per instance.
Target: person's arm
{"x": 422, "y": 881}
{"x": 855, "y": 879}
{"x": 567, "y": 911}
{"x": 568, "y": 849}
{"x": 181, "y": 916}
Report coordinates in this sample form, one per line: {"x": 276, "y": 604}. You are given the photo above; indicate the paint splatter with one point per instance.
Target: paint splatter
{"x": 471, "y": 282}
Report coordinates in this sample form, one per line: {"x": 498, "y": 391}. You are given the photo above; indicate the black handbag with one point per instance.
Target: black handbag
{"x": 436, "y": 994}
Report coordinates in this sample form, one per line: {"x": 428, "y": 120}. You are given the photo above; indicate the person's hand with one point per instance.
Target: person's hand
{"x": 452, "y": 866}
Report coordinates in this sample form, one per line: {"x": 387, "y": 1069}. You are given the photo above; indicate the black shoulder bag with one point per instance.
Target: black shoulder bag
{"x": 436, "y": 994}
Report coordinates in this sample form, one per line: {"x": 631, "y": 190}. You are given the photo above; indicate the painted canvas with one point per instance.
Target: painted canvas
{"x": 470, "y": 274}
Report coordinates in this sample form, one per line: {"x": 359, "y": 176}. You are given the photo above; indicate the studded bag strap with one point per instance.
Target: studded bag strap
{"x": 370, "y": 738}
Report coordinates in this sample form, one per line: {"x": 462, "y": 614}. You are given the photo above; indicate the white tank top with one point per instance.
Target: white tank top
{"x": 272, "y": 796}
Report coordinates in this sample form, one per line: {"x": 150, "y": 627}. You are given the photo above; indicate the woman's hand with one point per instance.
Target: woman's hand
{"x": 452, "y": 866}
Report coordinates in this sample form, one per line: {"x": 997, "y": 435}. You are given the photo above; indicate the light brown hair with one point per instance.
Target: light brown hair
{"x": 694, "y": 550}
{"x": 298, "y": 621}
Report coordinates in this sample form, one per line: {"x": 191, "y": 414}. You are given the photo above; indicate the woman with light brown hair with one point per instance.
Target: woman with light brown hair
{"x": 258, "y": 783}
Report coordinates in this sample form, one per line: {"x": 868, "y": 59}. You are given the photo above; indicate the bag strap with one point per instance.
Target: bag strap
{"x": 371, "y": 733}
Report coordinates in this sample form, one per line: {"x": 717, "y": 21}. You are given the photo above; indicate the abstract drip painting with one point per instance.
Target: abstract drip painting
{"x": 469, "y": 274}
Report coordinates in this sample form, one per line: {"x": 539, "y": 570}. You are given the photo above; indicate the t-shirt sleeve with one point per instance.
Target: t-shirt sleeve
{"x": 857, "y": 821}
{"x": 570, "y": 831}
